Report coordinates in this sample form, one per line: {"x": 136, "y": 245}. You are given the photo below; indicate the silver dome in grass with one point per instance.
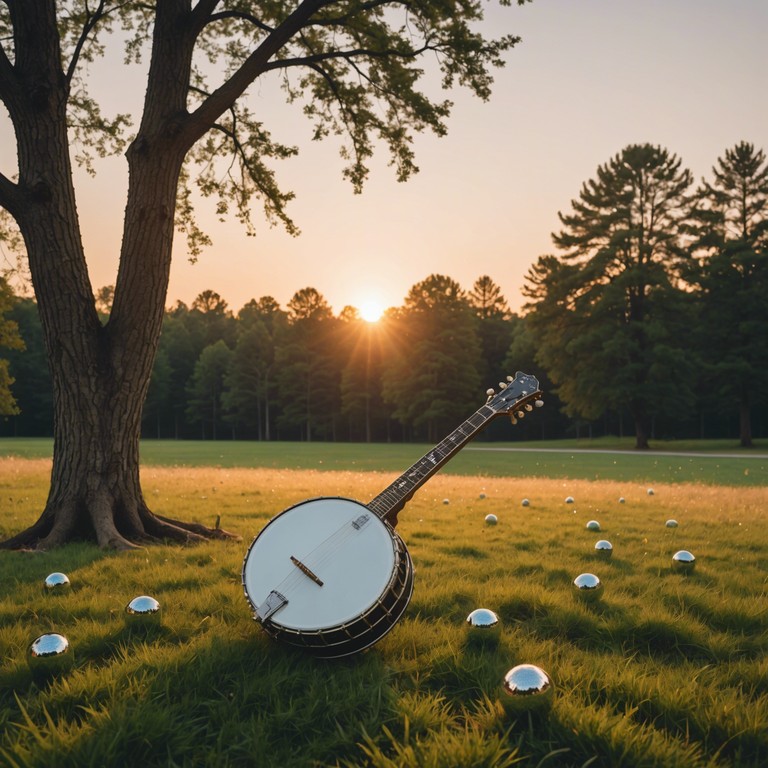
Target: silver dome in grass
{"x": 604, "y": 548}
{"x": 50, "y": 654}
{"x": 683, "y": 561}
{"x": 491, "y": 519}
{"x": 526, "y": 688}
{"x": 525, "y": 502}
{"x": 593, "y": 525}
{"x": 671, "y": 523}
{"x": 143, "y": 610}
{"x": 588, "y": 587}
{"x": 569, "y": 499}
{"x": 56, "y": 583}
{"x": 483, "y": 625}
{"x": 650, "y": 491}
{"x": 621, "y": 499}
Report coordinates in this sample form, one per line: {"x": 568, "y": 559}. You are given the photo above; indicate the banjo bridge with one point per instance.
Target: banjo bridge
{"x": 274, "y": 602}
{"x": 306, "y": 571}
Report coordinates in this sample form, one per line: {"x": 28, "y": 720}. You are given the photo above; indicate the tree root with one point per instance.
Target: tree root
{"x": 141, "y": 527}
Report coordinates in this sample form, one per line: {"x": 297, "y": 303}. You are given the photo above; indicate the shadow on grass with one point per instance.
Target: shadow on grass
{"x": 24, "y": 567}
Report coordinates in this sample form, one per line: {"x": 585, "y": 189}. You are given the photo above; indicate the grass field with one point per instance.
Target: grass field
{"x": 666, "y": 670}
{"x": 709, "y": 462}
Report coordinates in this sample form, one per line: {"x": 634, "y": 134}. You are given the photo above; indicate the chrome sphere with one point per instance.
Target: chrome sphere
{"x": 483, "y": 626}
{"x": 526, "y": 688}
{"x": 446, "y": 501}
{"x": 525, "y": 502}
{"x": 56, "y": 582}
{"x": 671, "y": 523}
{"x": 604, "y": 549}
{"x": 588, "y": 587}
{"x": 491, "y": 519}
{"x": 569, "y": 499}
{"x": 684, "y": 561}
{"x": 143, "y": 610}
{"x": 593, "y": 525}
{"x": 621, "y": 499}
{"x": 650, "y": 491}
{"x": 50, "y": 654}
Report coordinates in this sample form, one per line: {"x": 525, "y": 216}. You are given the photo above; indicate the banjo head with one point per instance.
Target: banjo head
{"x": 331, "y": 559}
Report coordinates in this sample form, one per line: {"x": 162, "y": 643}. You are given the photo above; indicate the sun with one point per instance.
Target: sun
{"x": 371, "y": 310}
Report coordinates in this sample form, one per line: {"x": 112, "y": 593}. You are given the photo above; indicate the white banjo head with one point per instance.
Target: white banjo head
{"x": 331, "y": 558}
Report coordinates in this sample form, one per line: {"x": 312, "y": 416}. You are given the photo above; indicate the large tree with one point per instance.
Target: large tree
{"x": 609, "y": 315}
{"x": 355, "y": 67}
{"x": 730, "y": 227}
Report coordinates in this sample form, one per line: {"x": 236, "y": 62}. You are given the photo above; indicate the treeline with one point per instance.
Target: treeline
{"x": 652, "y": 320}
{"x": 300, "y": 372}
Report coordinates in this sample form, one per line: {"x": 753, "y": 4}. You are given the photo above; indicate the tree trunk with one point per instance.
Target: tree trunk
{"x": 745, "y": 425}
{"x": 641, "y": 431}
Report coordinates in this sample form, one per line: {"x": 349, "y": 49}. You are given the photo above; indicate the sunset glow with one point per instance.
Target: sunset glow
{"x": 371, "y": 310}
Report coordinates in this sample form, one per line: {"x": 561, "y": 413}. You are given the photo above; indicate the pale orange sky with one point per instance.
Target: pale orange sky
{"x": 589, "y": 78}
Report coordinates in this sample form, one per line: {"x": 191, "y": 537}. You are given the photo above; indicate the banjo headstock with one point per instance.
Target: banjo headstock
{"x": 516, "y": 396}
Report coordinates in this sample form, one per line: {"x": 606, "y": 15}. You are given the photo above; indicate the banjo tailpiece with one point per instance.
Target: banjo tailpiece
{"x": 274, "y": 602}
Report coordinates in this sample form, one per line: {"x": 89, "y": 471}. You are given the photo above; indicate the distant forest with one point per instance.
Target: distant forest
{"x": 651, "y": 320}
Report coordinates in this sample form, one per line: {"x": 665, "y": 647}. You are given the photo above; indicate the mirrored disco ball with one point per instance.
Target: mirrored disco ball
{"x": 526, "y": 688}
{"x": 683, "y": 561}
{"x": 491, "y": 519}
{"x": 525, "y": 502}
{"x": 143, "y": 610}
{"x": 671, "y": 523}
{"x": 56, "y": 582}
{"x": 587, "y": 587}
{"x": 569, "y": 499}
{"x": 50, "y": 654}
{"x": 483, "y": 626}
{"x": 604, "y": 548}
{"x": 593, "y": 525}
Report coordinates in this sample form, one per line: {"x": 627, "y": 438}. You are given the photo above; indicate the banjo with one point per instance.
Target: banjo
{"x": 330, "y": 575}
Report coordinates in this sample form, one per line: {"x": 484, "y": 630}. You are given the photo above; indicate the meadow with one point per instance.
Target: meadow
{"x": 667, "y": 669}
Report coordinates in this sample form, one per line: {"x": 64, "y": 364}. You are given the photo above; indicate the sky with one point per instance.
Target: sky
{"x": 588, "y": 79}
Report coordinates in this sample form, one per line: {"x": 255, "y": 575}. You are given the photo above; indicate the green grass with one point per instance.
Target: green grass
{"x": 709, "y": 462}
{"x": 666, "y": 670}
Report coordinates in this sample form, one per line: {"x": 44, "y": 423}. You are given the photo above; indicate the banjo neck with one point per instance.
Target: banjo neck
{"x": 514, "y": 399}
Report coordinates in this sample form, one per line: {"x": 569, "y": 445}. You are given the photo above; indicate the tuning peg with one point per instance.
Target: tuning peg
{"x": 490, "y": 391}
{"x": 502, "y": 385}
{"x": 528, "y": 407}
{"x": 539, "y": 403}
{"x": 520, "y": 414}
{"x": 513, "y": 419}
{"x": 510, "y": 378}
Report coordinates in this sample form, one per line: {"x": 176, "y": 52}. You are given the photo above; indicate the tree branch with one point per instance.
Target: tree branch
{"x": 90, "y": 23}
{"x": 7, "y": 73}
{"x": 226, "y": 95}
{"x": 349, "y": 55}
{"x": 9, "y": 194}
